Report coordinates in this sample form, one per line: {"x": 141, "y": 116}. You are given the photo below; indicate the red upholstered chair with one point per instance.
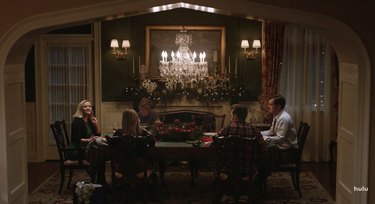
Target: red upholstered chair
{"x": 62, "y": 142}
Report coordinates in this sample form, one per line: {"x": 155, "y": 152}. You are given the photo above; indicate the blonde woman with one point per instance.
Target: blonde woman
{"x": 85, "y": 129}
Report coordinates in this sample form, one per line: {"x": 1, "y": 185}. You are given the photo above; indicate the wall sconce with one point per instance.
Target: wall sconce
{"x": 251, "y": 54}
{"x": 120, "y": 54}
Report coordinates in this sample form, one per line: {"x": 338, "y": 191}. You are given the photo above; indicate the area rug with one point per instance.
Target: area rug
{"x": 178, "y": 190}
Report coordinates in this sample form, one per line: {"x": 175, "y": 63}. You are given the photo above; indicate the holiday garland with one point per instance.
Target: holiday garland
{"x": 207, "y": 91}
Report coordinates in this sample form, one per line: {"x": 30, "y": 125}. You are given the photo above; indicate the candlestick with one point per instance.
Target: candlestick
{"x": 214, "y": 59}
{"x": 133, "y": 65}
{"x": 139, "y": 64}
{"x": 229, "y": 65}
{"x": 235, "y": 67}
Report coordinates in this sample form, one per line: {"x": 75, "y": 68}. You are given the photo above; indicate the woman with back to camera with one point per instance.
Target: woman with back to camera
{"x": 85, "y": 129}
{"x": 131, "y": 126}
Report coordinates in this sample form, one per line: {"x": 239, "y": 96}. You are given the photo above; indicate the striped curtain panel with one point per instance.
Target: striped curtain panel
{"x": 309, "y": 83}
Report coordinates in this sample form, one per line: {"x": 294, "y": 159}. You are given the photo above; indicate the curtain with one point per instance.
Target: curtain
{"x": 68, "y": 66}
{"x": 271, "y": 64}
{"x": 306, "y": 82}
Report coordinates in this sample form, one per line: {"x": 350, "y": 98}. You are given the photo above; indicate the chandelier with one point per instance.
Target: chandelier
{"x": 183, "y": 67}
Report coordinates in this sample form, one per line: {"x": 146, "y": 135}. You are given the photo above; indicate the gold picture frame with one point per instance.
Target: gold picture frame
{"x": 210, "y": 39}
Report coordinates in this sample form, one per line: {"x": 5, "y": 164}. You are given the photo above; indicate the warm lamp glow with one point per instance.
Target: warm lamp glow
{"x": 245, "y": 44}
{"x": 114, "y": 43}
{"x": 256, "y": 44}
{"x": 182, "y": 67}
{"x": 125, "y": 44}
{"x": 119, "y": 53}
{"x": 253, "y": 53}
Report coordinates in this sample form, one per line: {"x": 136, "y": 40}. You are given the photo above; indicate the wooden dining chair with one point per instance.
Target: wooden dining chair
{"x": 235, "y": 167}
{"x": 62, "y": 142}
{"x": 130, "y": 168}
{"x": 289, "y": 160}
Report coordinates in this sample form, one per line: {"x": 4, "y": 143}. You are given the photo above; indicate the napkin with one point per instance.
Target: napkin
{"x": 101, "y": 141}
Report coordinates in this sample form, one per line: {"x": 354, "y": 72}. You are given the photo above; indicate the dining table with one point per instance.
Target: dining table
{"x": 191, "y": 152}
{"x": 163, "y": 152}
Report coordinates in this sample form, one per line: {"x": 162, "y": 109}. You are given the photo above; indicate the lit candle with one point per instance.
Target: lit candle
{"x": 235, "y": 67}
{"x": 133, "y": 65}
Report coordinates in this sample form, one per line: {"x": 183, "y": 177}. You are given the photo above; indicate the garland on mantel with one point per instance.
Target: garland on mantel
{"x": 157, "y": 91}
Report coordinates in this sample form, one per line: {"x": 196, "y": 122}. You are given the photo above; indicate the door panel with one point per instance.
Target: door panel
{"x": 16, "y": 134}
{"x": 58, "y": 84}
{"x": 347, "y": 134}
{"x": 32, "y": 140}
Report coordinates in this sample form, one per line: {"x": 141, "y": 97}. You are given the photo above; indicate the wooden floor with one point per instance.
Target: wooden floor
{"x": 325, "y": 172}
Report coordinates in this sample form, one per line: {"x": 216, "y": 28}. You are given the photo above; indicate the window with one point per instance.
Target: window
{"x": 69, "y": 76}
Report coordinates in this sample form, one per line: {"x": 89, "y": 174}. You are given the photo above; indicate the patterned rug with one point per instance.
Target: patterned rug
{"x": 178, "y": 190}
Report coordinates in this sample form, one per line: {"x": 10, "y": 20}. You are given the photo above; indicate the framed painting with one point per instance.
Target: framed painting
{"x": 208, "y": 39}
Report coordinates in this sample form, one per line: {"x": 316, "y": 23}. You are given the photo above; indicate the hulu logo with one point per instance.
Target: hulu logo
{"x": 362, "y": 188}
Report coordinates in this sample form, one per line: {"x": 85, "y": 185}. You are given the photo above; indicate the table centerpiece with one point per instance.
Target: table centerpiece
{"x": 176, "y": 131}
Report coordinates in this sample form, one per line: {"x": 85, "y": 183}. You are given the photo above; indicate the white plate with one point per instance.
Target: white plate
{"x": 210, "y": 133}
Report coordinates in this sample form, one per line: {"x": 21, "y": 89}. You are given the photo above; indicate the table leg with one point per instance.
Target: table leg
{"x": 193, "y": 171}
{"x": 162, "y": 168}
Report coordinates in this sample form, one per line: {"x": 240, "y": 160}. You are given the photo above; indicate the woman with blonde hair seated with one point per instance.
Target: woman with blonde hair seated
{"x": 84, "y": 130}
{"x": 129, "y": 163}
{"x": 131, "y": 125}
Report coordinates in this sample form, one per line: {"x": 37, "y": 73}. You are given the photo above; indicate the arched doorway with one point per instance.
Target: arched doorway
{"x": 354, "y": 86}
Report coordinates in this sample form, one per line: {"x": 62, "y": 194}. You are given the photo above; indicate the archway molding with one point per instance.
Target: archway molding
{"x": 349, "y": 47}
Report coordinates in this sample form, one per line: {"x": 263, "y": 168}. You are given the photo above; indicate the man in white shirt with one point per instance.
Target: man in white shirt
{"x": 282, "y": 131}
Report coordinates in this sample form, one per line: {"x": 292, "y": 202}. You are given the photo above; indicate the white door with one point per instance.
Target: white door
{"x": 347, "y": 135}
{"x": 16, "y": 144}
{"x": 65, "y": 79}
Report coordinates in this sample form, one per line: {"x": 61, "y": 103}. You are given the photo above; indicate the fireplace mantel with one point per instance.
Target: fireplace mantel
{"x": 111, "y": 112}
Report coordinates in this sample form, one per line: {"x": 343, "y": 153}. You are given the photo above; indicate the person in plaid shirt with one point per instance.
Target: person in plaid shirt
{"x": 239, "y": 126}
